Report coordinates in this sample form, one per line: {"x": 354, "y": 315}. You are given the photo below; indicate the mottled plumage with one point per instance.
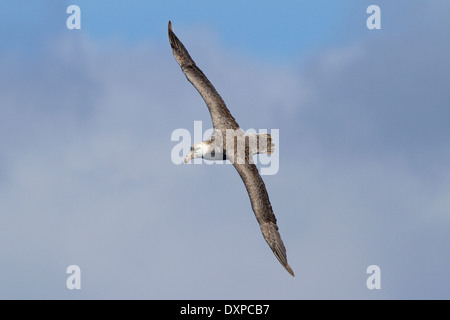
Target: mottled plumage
{"x": 242, "y": 161}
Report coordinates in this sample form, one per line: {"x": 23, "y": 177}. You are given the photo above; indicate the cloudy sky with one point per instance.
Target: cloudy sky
{"x": 86, "y": 176}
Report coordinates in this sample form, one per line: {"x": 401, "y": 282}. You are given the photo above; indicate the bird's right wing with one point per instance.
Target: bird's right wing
{"x": 220, "y": 115}
{"x": 262, "y": 208}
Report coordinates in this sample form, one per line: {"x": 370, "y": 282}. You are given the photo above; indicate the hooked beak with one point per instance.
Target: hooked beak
{"x": 189, "y": 157}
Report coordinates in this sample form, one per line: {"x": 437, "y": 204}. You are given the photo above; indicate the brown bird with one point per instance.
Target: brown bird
{"x": 230, "y": 142}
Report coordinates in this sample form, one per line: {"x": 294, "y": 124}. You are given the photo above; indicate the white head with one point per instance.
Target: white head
{"x": 197, "y": 151}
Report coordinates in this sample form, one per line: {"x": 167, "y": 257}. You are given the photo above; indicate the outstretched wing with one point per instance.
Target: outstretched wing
{"x": 222, "y": 119}
{"x": 263, "y": 210}
{"x": 220, "y": 115}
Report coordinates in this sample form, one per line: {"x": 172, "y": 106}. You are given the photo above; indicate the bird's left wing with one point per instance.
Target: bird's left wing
{"x": 220, "y": 115}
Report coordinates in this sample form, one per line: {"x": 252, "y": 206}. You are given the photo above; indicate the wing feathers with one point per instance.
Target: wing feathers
{"x": 223, "y": 120}
{"x": 263, "y": 211}
{"x": 220, "y": 115}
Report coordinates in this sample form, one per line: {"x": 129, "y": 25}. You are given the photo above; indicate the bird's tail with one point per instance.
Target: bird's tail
{"x": 265, "y": 144}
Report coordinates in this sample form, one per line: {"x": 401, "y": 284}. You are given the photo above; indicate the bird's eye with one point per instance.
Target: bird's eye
{"x": 192, "y": 148}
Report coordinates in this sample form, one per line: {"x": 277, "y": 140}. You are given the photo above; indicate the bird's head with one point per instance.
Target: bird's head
{"x": 197, "y": 151}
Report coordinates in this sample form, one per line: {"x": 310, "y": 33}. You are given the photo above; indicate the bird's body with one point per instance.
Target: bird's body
{"x": 229, "y": 141}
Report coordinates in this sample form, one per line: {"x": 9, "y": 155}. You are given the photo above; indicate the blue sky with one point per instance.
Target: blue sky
{"x": 248, "y": 26}
{"x": 85, "y": 171}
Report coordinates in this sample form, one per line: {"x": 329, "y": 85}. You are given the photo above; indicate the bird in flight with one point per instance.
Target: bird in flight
{"x": 229, "y": 142}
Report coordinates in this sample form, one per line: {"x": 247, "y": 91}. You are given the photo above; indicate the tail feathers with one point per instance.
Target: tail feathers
{"x": 265, "y": 144}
